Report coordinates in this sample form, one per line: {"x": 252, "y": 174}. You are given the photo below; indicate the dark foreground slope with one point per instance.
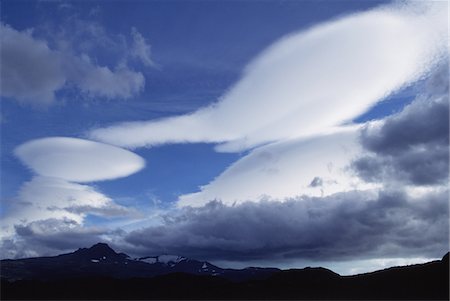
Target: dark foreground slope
{"x": 428, "y": 281}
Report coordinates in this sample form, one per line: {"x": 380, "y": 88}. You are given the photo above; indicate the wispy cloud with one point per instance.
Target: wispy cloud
{"x": 141, "y": 49}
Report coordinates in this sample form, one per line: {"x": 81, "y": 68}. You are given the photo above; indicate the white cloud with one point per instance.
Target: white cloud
{"x": 315, "y": 166}
{"x": 45, "y": 198}
{"x": 78, "y": 160}
{"x": 293, "y": 95}
{"x": 308, "y": 81}
{"x": 33, "y": 73}
{"x": 52, "y": 195}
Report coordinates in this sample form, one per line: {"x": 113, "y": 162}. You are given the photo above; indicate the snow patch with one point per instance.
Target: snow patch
{"x": 170, "y": 258}
{"x": 150, "y": 260}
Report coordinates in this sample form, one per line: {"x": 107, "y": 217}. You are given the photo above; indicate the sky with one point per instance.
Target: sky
{"x": 271, "y": 133}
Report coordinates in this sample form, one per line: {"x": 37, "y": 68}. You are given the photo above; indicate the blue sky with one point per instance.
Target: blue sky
{"x": 81, "y": 69}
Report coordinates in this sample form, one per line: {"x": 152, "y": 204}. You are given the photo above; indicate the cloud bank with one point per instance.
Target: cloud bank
{"x": 344, "y": 226}
{"x": 307, "y": 82}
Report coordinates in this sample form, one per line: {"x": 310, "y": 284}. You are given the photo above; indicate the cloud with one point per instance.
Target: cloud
{"x": 406, "y": 214}
{"x": 344, "y": 226}
{"x": 101, "y": 81}
{"x": 140, "y": 49}
{"x": 286, "y": 169}
{"x": 410, "y": 147}
{"x": 307, "y": 82}
{"x": 78, "y": 160}
{"x": 422, "y": 122}
{"x": 32, "y": 72}
{"x": 53, "y": 196}
{"x": 45, "y": 198}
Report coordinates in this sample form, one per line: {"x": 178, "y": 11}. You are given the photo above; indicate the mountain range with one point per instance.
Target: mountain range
{"x": 99, "y": 272}
{"x": 101, "y": 260}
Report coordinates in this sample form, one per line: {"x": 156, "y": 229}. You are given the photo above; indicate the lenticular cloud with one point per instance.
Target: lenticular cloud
{"x": 78, "y": 160}
{"x": 314, "y": 167}
{"x": 51, "y": 194}
{"x": 307, "y": 82}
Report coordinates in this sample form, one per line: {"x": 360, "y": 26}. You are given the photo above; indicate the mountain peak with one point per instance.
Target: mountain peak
{"x": 101, "y": 246}
{"x": 99, "y": 250}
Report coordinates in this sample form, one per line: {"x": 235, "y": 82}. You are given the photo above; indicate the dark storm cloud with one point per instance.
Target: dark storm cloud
{"x": 412, "y": 146}
{"x": 344, "y": 226}
{"x": 49, "y": 237}
{"x": 420, "y": 166}
{"x": 423, "y": 122}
